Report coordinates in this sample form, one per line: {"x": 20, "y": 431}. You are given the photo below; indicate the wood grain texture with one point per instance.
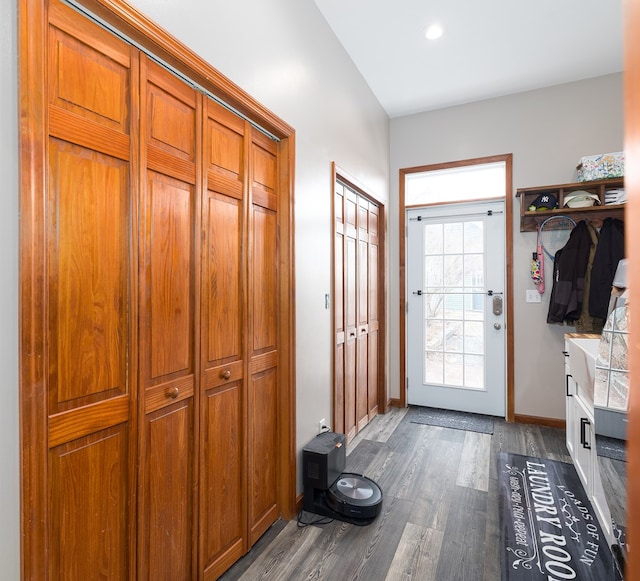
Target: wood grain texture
{"x": 88, "y": 200}
{"x": 170, "y": 276}
{"x": 430, "y": 526}
{"x": 169, "y": 487}
{"x": 88, "y": 519}
{"x": 474, "y": 464}
{"x": 223, "y": 502}
{"x": 169, "y": 306}
{"x": 414, "y": 556}
{"x": 262, "y": 444}
{"x": 222, "y": 279}
{"x": 264, "y": 298}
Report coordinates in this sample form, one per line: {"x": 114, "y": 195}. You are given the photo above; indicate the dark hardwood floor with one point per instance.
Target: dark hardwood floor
{"x": 439, "y": 519}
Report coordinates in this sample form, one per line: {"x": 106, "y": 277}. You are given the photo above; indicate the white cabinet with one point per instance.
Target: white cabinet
{"x": 581, "y": 442}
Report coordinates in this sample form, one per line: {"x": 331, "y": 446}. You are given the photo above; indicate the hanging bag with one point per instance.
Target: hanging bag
{"x": 537, "y": 265}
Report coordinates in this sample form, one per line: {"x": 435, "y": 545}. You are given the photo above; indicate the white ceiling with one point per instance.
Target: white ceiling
{"x": 489, "y": 48}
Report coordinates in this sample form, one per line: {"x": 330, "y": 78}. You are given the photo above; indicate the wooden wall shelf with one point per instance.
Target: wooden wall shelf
{"x": 529, "y": 220}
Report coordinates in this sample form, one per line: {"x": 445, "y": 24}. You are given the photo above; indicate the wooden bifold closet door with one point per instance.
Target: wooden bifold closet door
{"x": 160, "y": 262}
{"x": 90, "y": 329}
{"x": 356, "y": 310}
{"x": 170, "y": 130}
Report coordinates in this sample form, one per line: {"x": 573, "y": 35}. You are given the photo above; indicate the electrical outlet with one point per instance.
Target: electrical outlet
{"x": 320, "y": 426}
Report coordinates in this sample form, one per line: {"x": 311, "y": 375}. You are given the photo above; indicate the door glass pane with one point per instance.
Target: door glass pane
{"x": 474, "y": 371}
{"x": 434, "y": 367}
{"x": 453, "y": 238}
{"x": 454, "y": 301}
{"x": 433, "y": 272}
{"x": 453, "y": 271}
{"x": 433, "y": 239}
{"x": 453, "y": 336}
{"x": 473, "y": 239}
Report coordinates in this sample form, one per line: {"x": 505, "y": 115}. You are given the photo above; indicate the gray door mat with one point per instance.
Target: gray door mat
{"x": 452, "y": 419}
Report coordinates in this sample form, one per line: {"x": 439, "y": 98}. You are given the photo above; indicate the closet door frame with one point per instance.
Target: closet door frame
{"x": 338, "y": 390}
{"x": 33, "y": 83}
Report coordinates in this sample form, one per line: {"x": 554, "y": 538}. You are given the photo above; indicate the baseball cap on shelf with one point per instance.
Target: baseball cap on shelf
{"x": 544, "y": 202}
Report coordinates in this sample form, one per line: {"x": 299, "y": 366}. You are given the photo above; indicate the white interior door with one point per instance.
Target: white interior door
{"x": 455, "y": 317}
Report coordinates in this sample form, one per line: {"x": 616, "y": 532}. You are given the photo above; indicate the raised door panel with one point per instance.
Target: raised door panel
{"x": 89, "y": 71}
{"x": 373, "y": 374}
{"x": 223, "y": 514}
{"x": 224, "y": 151}
{"x": 222, "y": 277}
{"x": 362, "y": 378}
{"x": 363, "y": 263}
{"x": 87, "y": 276}
{"x": 263, "y": 299}
{"x": 90, "y": 507}
{"x": 264, "y": 167}
{"x": 169, "y": 506}
{"x": 168, "y": 307}
{"x": 263, "y": 481}
{"x": 169, "y": 115}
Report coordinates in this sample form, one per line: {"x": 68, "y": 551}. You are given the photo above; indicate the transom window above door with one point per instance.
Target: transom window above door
{"x": 467, "y": 183}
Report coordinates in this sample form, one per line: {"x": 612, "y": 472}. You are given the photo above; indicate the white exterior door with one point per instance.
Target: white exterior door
{"x": 455, "y": 318}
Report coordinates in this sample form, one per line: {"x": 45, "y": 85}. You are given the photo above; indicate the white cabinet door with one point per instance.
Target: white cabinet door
{"x": 584, "y": 444}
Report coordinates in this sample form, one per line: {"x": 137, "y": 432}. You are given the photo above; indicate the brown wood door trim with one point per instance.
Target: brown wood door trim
{"x": 508, "y": 159}
{"x": 339, "y": 174}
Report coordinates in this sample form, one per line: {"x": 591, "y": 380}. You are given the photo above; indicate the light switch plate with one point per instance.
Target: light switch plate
{"x": 533, "y": 296}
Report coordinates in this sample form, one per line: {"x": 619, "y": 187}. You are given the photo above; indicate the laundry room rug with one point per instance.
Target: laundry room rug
{"x": 548, "y": 529}
{"x": 452, "y": 419}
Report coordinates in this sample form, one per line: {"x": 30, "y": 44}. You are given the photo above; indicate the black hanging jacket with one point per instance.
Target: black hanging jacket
{"x": 609, "y": 252}
{"x": 569, "y": 268}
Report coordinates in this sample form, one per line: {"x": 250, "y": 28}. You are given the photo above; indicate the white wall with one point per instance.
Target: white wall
{"x": 547, "y": 131}
{"x": 9, "y": 451}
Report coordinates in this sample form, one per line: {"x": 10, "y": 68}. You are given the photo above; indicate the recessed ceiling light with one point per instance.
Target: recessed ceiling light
{"x": 433, "y": 31}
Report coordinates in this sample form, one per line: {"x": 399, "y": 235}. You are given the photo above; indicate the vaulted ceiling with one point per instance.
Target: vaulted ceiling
{"x": 489, "y": 48}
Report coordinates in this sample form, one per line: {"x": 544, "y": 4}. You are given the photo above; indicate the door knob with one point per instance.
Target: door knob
{"x": 497, "y": 326}
{"x": 226, "y": 374}
{"x": 173, "y": 392}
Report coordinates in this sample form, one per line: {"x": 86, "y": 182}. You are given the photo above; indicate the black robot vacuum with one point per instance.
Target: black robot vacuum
{"x": 330, "y": 492}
